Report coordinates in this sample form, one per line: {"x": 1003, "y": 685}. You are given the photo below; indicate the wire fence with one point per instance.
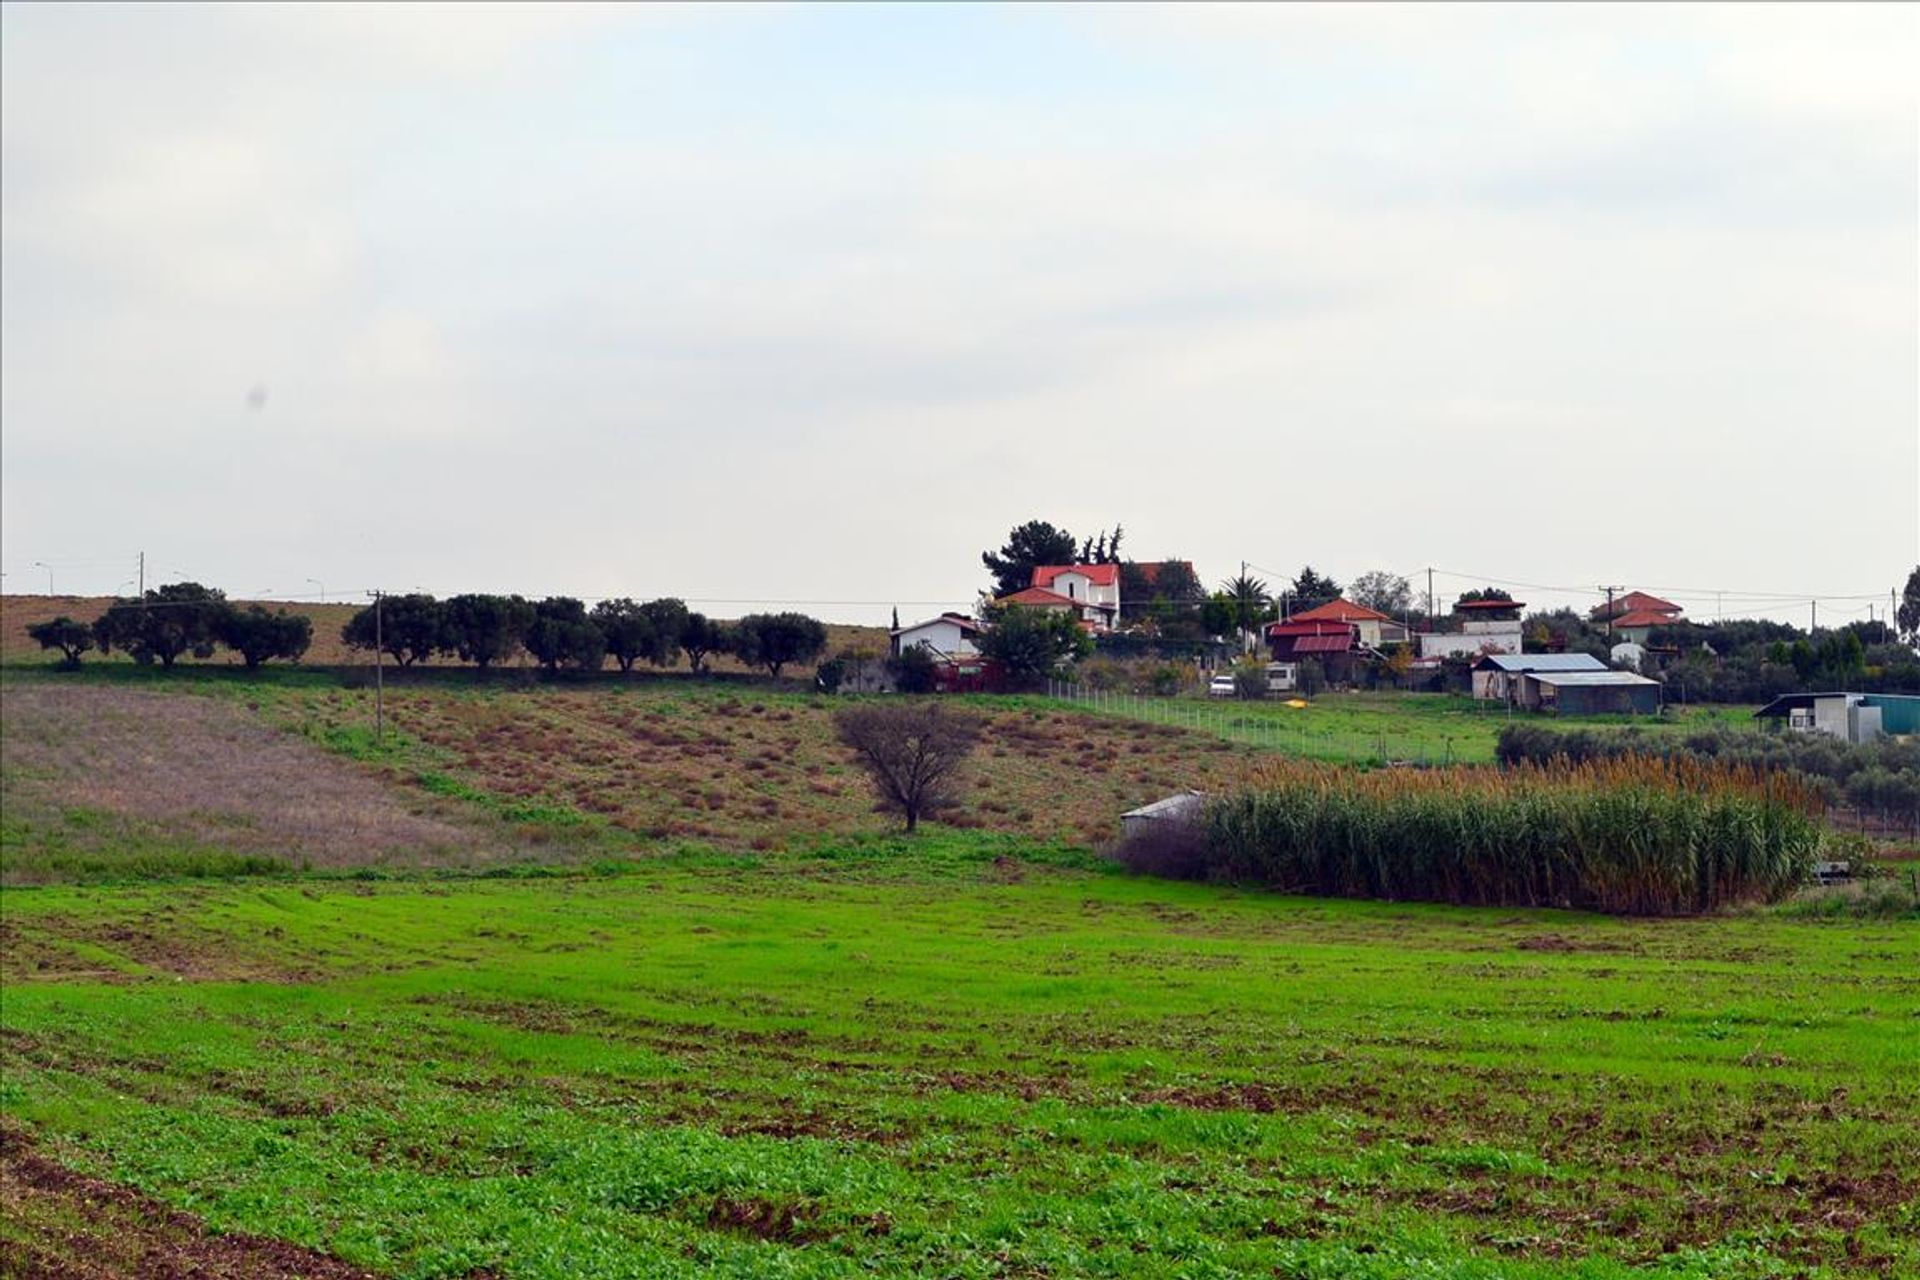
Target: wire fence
{"x": 1882, "y": 822}
{"x": 1234, "y": 721}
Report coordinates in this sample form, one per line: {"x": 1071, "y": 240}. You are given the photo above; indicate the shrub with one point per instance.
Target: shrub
{"x": 1635, "y": 836}
{"x": 1883, "y": 774}
{"x": 1249, "y": 679}
{"x": 912, "y": 669}
{"x": 1172, "y": 848}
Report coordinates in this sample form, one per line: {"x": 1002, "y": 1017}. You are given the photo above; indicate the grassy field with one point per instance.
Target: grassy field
{"x": 624, "y": 979}
{"x": 1428, "y": 729}
{"x": 965, "y": 1057}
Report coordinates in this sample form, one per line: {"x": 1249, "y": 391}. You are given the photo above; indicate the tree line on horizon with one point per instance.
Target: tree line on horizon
{"x": 186, "y": 618}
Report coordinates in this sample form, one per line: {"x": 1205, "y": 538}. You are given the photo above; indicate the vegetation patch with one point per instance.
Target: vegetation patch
{"x": 891, "y": 1058}
{"x": 1631, "y": 835}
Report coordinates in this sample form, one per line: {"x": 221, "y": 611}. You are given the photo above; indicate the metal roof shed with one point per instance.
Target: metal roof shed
{"x": 1588, "y": 693}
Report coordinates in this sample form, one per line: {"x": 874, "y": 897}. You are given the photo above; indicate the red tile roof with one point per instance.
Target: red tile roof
{"x": 1635, "y": 602}
{"x": 1341, "y": 611}
{"x": 1100, "y": 575}
{"x": 1041, "y": 596}
{"x": 1644, "y": 618}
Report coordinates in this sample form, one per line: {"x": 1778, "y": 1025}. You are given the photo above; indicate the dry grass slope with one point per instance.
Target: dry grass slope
{"x": 759, "y": 770}
{"x": 91, "y": 770}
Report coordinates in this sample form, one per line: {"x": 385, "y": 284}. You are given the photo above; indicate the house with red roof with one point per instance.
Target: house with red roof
{"x": 1090, "y": 592}
{"x": 1371, "y": 628}
{"x": 1632, "y": 616}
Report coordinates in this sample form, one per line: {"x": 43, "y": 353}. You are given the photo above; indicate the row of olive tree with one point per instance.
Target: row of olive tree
{"x": 175, "y": 620}
{"x": 561, "y": 631}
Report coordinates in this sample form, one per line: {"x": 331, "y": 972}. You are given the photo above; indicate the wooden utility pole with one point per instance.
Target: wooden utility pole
{"x": 1609, "y": 591}
{"x": 379, "y": 671}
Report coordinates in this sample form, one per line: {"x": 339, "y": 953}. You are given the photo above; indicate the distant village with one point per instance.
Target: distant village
{"x": 1627, "y": 654}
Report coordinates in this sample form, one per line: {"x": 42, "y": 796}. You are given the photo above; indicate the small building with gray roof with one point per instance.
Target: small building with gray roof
{"x": 1497, "y": 675}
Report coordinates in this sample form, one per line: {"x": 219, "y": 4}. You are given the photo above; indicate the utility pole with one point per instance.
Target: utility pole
{"x": 1813, "y": 617}
{"x": 1610, "y": 591}
{"x": 379, "y": 702}
{"x": 1429, "y": 597}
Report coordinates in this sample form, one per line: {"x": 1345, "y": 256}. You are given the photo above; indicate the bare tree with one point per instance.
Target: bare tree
{"x": 912, "y": 749}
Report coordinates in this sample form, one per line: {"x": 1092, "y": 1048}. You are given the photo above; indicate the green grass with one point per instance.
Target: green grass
{"x": 966, "y": 1056}
{"x": 1375, "y": 727}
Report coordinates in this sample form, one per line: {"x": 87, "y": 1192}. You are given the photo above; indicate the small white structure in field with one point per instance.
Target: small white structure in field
{"x": 951, "y": 635}
{"x": 1184, "y": 806}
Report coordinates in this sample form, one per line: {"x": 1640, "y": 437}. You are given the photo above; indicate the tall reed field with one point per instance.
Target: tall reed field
{"x": 1632, "y": 835}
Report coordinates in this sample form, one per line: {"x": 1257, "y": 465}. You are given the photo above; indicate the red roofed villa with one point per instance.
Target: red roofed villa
{"x": 1631, "y": 616}
{"x": 1371, "y": 627}
{"x": 1091, "y": 592}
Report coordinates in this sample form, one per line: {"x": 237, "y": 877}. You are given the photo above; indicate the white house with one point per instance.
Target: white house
{"x": 1094, "y": 587}
{"x": 951, "y": 635}
{"x": 1090, "y": 592}
{"x": 1372, "y": 627}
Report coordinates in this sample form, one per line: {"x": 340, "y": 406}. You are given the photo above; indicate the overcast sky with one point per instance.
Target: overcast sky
{"x": 752, "y": 304}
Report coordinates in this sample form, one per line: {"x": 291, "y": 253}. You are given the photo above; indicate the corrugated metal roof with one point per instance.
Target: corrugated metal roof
{"x": 1174, "y": 806}
{"x": 1587, "y": 679}
{"x": 1321, "y": 644}
{"x": 1543, "y": 662}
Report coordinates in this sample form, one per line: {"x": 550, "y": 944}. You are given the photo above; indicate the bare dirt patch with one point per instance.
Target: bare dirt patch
{"x": 98, "y": 769}
{"x": 61, "y": 1225}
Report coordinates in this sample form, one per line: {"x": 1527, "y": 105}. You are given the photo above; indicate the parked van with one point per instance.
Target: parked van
{"x": 1282, "y": 677}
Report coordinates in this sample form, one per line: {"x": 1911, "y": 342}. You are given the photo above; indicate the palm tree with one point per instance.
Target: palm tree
{"x": 1250, "y": 597}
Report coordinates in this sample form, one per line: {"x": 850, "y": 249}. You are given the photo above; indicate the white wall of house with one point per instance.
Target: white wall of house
{"x": 941, "y": 635}
{"x": 1080, "y": 587}
{"x": 1477, "y": 638}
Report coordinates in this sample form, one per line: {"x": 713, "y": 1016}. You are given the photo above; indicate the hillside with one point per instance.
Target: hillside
{"x": 183, "y": 768}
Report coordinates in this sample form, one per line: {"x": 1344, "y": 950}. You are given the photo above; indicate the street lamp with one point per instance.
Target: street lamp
{"x": 323, "y": 588}
{"x": 41, "y": 564}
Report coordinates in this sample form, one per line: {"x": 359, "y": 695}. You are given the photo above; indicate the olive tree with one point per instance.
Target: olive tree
{"x": 167, "y": 622}
{"x": 408, "y": 628}
{"x": 71, "y": 638}
{"x": 772, "y": 640}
